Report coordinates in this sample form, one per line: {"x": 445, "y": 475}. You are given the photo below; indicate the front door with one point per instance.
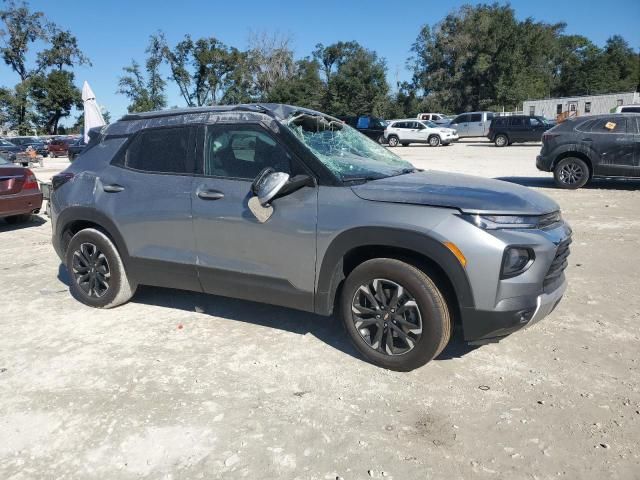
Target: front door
{"x": 147, "y": 194}
{"x": 272, "y": 262}
{"x": 535, "y": 130}
{"x": 476, "y": 126}
{"x": 461, "y": 124}
{"x": 613, "y": 141}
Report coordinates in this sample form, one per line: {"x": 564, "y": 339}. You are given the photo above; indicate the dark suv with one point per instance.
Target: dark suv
{"x": 598, "y": 146}
{"x": 288, "y": 206}
{"x": 504, "y": 131}
{"x": 372, "y": 127}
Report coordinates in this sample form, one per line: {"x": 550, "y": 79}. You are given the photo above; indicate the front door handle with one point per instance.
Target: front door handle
{"x": 210, "y": 194}
{"x": 113, "y": 188}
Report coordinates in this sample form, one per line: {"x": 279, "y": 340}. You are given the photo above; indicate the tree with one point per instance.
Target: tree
{"x": 304, "y": 87}
{"x": 200, "y": 68}
{"x": 54, "y": 96}
{"x": 355, "y": 79}
{"x": 270, "y": 60}
{"x": 145, "y": 94}
{"x": 22, "y": 30}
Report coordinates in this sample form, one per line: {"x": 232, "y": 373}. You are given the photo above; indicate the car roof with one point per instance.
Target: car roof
{"x": 279, "y": 111}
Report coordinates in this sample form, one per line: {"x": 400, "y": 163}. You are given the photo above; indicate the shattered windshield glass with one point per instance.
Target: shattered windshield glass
{"x": 349, "y": 154}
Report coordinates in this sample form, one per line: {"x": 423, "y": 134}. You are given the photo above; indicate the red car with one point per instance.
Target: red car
{"x": 60, "y": 147}
{"x": 20, "y": 195}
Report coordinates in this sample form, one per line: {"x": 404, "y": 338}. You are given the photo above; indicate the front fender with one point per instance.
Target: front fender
{"x": 331, "y": 274}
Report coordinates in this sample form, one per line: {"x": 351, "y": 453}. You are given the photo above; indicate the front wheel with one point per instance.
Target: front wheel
{"x": 434, "y": 140}
{"x": 393, "y": 141}
{"x": 571, "y": 173}
{"x": 394, "y": 314}
{"x": 98, "y": 276}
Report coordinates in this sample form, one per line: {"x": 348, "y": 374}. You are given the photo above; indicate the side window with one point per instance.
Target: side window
{"x": 401, "y": 125}
{"x": 516, "y": 121}
{"x": 419, "y": 126}
{"x": 609, "y": 125}
{"x": 243, "y": 152}
{"x": 464, "y": 118}
{"x": 475, "y": 117}
{"x": 534, "y": 122}
{"x": 162, "y": 150}
{"x": 501, "y": 122}
{"x": 363, "y": 122}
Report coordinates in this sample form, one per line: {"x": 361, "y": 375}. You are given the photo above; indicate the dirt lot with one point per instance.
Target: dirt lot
{"x": 180, "y": 385}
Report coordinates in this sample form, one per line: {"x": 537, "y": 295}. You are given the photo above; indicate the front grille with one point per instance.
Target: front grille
{"x": 559, "y": 264}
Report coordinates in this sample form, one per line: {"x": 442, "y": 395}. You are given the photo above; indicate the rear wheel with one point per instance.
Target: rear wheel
{"x": 98, "y": 276}
{"x": 571, "y": 173}
{"x": 394, "y": 314}
{"x": 434, "y": 140}
{"x": 393, "y": 141}
{"x": 501, "y": 141}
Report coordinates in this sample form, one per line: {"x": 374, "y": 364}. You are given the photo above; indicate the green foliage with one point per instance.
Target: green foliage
{"x": 45, "y": 92}
{"x": 145, "y": 94}
{"x": 483, "y": 57}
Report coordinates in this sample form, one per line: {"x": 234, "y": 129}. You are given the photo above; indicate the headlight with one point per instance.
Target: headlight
{"x": 516, "y": 260}
{"x": 494, "y": 222}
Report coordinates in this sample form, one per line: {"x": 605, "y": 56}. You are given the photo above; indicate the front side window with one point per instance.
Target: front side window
{"x": 243, "y": 152}
{"x": 162, "y": 150}
{"x": 347, "y": 153}
{"x": 461, "y": 119}
{"x": 534, "y": 122}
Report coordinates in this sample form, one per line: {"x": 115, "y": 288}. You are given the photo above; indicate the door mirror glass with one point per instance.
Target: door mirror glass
{"x": 268, "y": 184}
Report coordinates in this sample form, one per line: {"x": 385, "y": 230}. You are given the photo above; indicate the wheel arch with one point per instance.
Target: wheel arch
{"x": 577, "y": 154}
{"x": 352, "y": 247}
{"x": 74, "y": 219}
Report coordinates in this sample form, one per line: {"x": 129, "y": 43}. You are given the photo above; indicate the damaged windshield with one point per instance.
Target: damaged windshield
{"x": 346, "y": 152}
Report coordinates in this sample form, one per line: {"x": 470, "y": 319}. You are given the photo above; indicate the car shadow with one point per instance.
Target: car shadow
{"x": 596, "y": 184}
{"x": 327, "y": 329}
{"x": 36, "y": 221}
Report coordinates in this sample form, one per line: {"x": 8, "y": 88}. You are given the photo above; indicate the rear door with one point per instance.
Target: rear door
{"x": 146, "y": 191}
{"x": 614, "y": 143}
{"x": 518, "y": 129}
{"x": 272, "y": 262}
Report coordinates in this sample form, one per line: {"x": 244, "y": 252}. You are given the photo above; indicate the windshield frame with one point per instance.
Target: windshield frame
{"x": 340, "y": 178}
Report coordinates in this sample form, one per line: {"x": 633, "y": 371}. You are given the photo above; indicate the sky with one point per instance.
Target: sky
{"x": 113, "y": 32}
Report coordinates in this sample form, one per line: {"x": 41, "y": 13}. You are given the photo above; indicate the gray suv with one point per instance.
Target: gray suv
{"x": 292, "y": 207}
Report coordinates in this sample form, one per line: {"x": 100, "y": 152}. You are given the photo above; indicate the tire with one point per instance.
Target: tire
{"x": 91, "y": 247}
{"x": 15, "y": 219}
{"x": 381, "y": 140}
{"x": 434, "y": 140}
{"x": 571, "y": 173}
{"x": 428, "y": 313}
{"x": 393, "y": 141}
{"x": 501, "y": 141}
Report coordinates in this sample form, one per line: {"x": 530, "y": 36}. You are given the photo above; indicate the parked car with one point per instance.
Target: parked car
{"x": 583, "y": 148}
{"x": 437, "y": 118}
{"x": 409, "y": 131}
{"x": 628, "y": 109}
{"x": 9, "y": 149}
{"x": 472, "y": 124}
{"x": 504, "y": 131}
{"x": 38, "y": 145}
{"x": 20, "y": 195}
{"x": 60, "y": 147}
{"x": 372, "y": 127}
{"x": 288, "y": 206}
{"x": 74, "y": 149}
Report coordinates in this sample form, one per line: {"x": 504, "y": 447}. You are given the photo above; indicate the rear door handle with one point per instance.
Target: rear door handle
{"x": 113, "y": 188}
{"x": 210, "y": 194}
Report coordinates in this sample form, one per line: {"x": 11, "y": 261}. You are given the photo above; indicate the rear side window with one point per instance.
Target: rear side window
{"x": 475, "y": 117}
{"x": 516, "y": 122}
{"x": 609, "y": 125}
{"x": 162, "y": 150}
{"x": 363, "y": 122}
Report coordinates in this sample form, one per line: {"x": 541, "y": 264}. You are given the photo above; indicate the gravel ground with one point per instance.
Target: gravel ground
{"x": 180, "y": 385}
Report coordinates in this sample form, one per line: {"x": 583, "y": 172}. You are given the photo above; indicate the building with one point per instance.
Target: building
{"x": 578, "y": 106}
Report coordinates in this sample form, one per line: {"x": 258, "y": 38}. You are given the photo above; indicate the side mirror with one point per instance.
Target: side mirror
{"x": 268, "y": 184}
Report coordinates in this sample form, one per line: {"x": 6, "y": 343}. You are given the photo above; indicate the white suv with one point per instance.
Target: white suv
{"x": 418, "y": 131}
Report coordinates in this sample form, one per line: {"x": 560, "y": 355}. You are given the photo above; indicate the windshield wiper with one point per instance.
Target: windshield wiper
{"x": 405, "y": 171}
{"x": 363, "y": 179}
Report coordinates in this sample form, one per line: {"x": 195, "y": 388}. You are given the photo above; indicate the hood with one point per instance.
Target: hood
{"x": 464, "y": 192}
